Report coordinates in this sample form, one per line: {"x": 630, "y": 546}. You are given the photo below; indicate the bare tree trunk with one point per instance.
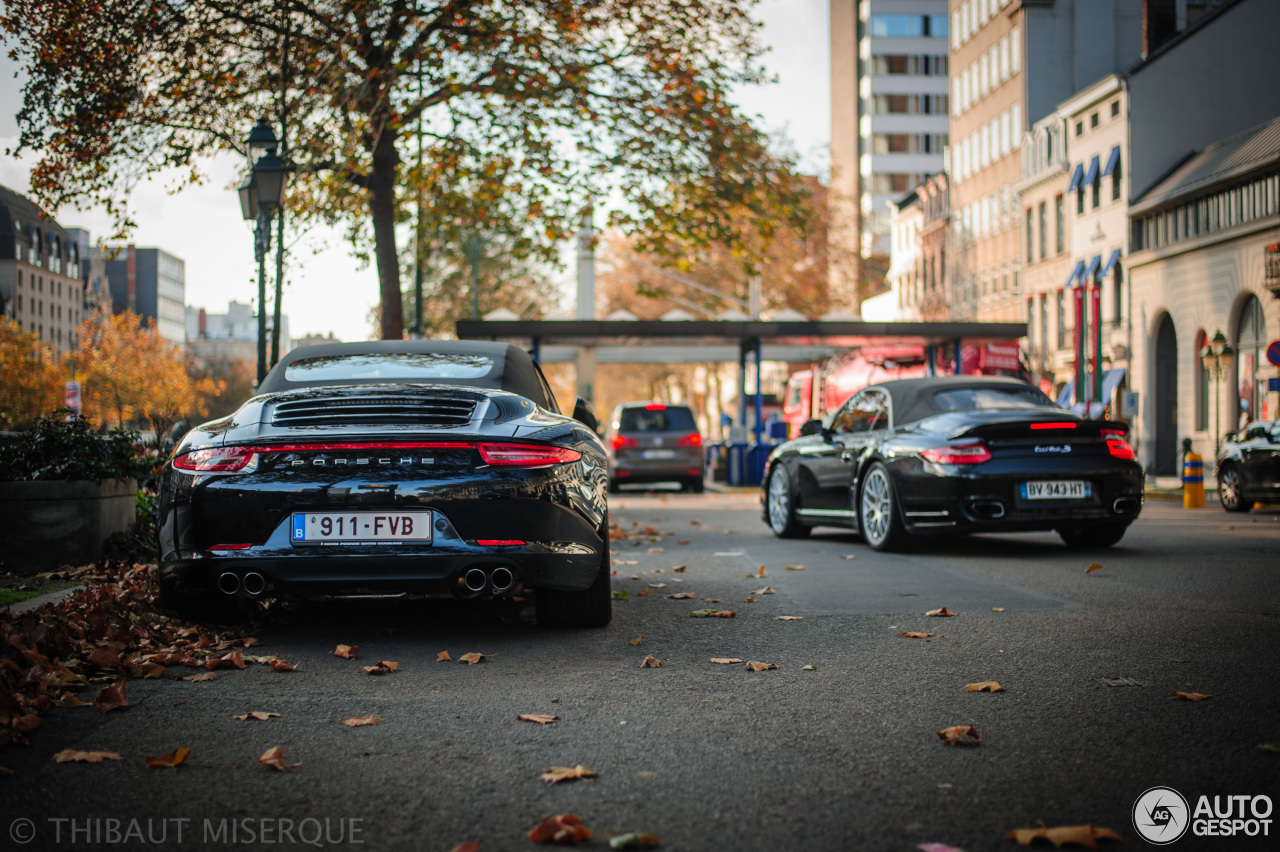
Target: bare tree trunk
{"x": 382, "y": 204}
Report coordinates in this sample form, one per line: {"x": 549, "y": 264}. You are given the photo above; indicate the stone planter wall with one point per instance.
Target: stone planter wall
{"x": 51, "y": 523}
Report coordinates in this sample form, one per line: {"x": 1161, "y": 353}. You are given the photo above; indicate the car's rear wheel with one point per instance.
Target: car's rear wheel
{"x": 780, "y": 505}
{"x": 204, "y": 608}
{"x": 1094, "y": 535}
{"x": 1230, "y": 492}
{"x": 592, "y": 607}
{"x": 878, "y": 517}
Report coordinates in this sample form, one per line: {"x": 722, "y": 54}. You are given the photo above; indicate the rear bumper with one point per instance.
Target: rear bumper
{"x": 636, "y": 469}
{"x": 933, "y": 505}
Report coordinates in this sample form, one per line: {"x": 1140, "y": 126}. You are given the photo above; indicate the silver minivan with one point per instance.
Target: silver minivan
{"x": 655, "y": 442}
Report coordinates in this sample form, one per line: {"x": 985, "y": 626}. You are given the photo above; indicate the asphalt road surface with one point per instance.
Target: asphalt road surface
{"x": 707, "y": 756}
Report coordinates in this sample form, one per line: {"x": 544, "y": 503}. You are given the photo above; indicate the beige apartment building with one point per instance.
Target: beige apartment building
{"x": 40, "y": 285}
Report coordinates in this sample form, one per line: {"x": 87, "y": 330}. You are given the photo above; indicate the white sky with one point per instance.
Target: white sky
{"x": 326, "y": 289}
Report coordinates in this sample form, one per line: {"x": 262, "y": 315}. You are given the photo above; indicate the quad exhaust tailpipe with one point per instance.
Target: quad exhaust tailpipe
{"x": 228, "y": 583}
{"x": 475, "y": 580}
{"x": 254, "y": 583}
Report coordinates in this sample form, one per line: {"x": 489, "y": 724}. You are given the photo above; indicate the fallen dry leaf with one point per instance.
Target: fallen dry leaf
{"x": 679, "y": 569}
{"x": 347, "y": 652}
{"x": 713, "y": 613}
{"x": 655, "y": 550}
{"x": 657, "y": 585}
{"x": 469, "y": 846}
{"x": 765, "y": 591}
{"x": 540, "y": 718}
{"x": 753, "y": 666}
{"x": 172, "y": 760}
{"x": 789, "y": 618}
{"x": 70, "y": 754}
{"x": 260, "y": 715}
{"x": 361, "y": 721}
{"x": 280, "y": 666}
{"x": 382, "y": 667}
{"x": 809, "y": 668}
{"x": 724, "y": 661}
{"x": 847, "y": 556}
{"x": 1093, "y": 567}
{"x": 249, "y": 641}
{"x": 621, "y": 594}
{"x": 795, "y": 567}
{"x": 912, "y": 635}
{"x": 997, "y": 609}
{"x": 443, "y": 657}
{"x": 952, "y": 735}
{"x": 633, "y": 840}
{"x": 274, "y": 757}
{"x": 651, "y": 662}
{"x": 472, "y": 658}
{"x": 1272, "y": 748}
{"x": 567, "y": 773}
{"x": 635, "y": 641}
{"x": 682, "y": 596}
{"x": 644, "y": 592}
{"x": 1190, "y": 696}
{"x": 941, "y": 611}
{"x": 113, "y": 696}
{"x": 203, "y": 676}
{"x": 563, "y": 830}
{"x": 985, "y": 686}
{"x": 1079, "y": 835}
{"x": 760, "y": 573}
{"x": 105, "y": 658}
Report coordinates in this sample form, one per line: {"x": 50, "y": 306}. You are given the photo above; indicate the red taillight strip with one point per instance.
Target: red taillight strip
{"x": 958, "y": 454}
{"x": 1053, "y": 425}
{"x": 230, "y": 459}
{"x": 231, "y": 547}
{"x": 374, "y": 445}
{"x": 497, "y": 542}
{"x": 526, "y": 455}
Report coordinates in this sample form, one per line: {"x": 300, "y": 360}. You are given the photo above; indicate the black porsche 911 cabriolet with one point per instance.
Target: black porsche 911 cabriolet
{"x": 418, "y": 467}
{"x": 955, "y": 454}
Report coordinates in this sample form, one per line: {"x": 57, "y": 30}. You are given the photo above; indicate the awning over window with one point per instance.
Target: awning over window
{"x": 1073, "y": 279}
{"x": 1111, "y": 261}
{"x": 1091, "y": 175}
{"x": 1112, "y": 161}
{"x": 1093, "y": 267}
{"x": 1076, "y": 178}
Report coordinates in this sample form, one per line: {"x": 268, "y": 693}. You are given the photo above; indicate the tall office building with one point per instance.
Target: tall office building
{"x": 151, "y": 283}
{"x": 889, "y": 123}
{"x": 1012, "y": 63}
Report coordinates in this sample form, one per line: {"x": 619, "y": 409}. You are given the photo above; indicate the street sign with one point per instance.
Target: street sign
{"x": 1273, "y": 352}
{"x": 1273, "y": 385}
{"x": 1129, "y": 404}
{"x": 71, "y": 396}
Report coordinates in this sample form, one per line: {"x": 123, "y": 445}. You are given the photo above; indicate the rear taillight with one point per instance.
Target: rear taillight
{"x": 958, "y": 454}
{"x": 1120, "y": 448}
{"x": 694, "y": 440}
{"x": 526, "y": 455}
{"x": 655, "y": 406}
{"x": 216, "y": 460}
{"x": 1108, "y": 434}
{"x": 622, "y": 442}
{"x": 1055, "y": 425}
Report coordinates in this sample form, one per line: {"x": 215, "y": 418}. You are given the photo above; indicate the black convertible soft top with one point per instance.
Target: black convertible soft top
{"x": 512, "y": 368}
{"x": 914, "y": 399}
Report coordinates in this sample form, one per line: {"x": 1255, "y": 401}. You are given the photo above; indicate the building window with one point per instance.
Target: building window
{"x": 1062, "y": 319}
{"x": 1093, "y": 120}
{"x": 1060, "y": 224}
{"x": 1202, "y": 383}
{"x": 1115, "y": 108}
{"x": 1097, "y": 192}
{"x": 901, "y": 26}
{"x": 1080, "y": 200}
{"x": 1117, "y": 295}
{"x": 1044, "y": 229}
{"x": 1115, "y": 181}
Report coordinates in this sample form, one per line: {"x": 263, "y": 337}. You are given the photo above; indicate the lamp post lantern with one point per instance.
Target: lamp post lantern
{"x": 261, "y": 194}
{"x": 1217, "y": 357}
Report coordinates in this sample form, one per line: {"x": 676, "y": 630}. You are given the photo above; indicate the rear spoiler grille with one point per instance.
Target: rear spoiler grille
{"x": 375, "y": 411}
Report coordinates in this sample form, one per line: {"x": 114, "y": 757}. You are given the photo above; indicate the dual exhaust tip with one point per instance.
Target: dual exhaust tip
{"x": 498, "y": 581}
{"x": 252, "y": 583}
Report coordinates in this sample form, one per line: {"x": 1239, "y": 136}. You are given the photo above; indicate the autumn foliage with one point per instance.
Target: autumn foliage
{"x": 33, "y": 376}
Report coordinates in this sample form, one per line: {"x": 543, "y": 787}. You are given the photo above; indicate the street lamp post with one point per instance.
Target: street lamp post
{"x": 1217, "y": 357}
{"x": 261, "y": 194}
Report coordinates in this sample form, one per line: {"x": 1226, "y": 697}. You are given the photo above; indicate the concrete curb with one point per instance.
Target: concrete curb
{"x": 33, "y": 603}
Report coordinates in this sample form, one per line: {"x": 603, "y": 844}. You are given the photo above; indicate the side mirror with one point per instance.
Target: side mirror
{"x": 585, "y": 414}
{"x": 810, "y": 427}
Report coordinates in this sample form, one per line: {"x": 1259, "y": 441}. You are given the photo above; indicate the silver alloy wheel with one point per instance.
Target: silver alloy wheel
{"x": 1229, "y": 488}
{"x": 779, "y": 499}
{"x": 877, "y": 503}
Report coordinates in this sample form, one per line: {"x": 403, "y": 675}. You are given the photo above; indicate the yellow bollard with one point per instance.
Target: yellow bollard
{"x": 1193, "y": 481}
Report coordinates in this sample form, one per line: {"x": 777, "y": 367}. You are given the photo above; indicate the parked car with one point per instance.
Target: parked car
{"x": 1249, "y": 466}
{"x": 955, "y": 454}
{"x": 655, "y": 442}
{"x": 422, "y": 467}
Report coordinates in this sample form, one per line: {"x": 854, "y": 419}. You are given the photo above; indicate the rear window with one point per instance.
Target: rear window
{"x": 970, "y": 399}
{"x": 667, "y": 419}
{"x": 389, "y": 366}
